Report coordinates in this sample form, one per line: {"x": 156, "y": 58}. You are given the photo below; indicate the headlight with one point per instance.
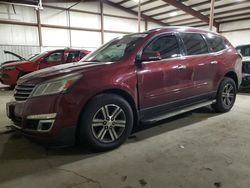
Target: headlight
{"x": 9, "y": 68}
{"x": 54, "y": 86}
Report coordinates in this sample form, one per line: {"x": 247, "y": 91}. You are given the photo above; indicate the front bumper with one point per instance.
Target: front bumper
{"x": 8, "y": 78}
{"x": 65, "y": 138}
{"x": 44, "y": 119}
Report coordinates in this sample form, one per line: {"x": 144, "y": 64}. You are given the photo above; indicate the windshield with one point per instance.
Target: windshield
{"x": 116, "y": 49}
{"x": 31, "y": 56}
{"x": 244, "y": 50}
{"x": 37, "y": 56}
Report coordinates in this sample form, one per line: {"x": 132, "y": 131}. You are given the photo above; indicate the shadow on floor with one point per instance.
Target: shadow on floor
{"x": 173, "y": 123}
{"x": 25, "y": 157}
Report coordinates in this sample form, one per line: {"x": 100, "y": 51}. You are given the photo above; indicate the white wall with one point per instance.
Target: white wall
{"x": 236, "y": 37}
{"x": 18, "y": 37}
{"x": 152, "y": 25}
{"x": 207, "y": 28}
{"x": 24, "y": 39}
{"x": 23, "y": 14}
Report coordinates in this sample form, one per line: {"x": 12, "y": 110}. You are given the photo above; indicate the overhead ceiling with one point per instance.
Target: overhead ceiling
{"x": 167, "y": 14}
{"x": 176, "y": 12}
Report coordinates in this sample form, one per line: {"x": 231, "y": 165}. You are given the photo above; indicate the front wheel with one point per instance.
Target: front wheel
{"x": 226, "y": 96}
{"x": 106, "y": 122}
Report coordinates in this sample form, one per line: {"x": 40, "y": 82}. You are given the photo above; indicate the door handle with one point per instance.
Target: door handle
{"x": 181, "y": 66}
{"x": 213, "y": 62}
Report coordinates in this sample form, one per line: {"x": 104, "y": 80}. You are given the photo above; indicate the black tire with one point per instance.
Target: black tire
{"x": 225, "y": 101}
{"x": 93, "y": 114}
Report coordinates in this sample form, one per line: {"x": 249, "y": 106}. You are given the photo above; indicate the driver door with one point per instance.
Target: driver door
{"x": 53, "y": 59}
{"x": 163, "y": 82}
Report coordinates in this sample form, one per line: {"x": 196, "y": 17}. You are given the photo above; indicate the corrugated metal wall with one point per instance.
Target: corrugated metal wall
{"x": 24, "y": 41}
{"x": 23, "y": 51}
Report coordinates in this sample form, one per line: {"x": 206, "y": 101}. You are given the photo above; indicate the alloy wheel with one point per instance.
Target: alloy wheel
{"x": 108, "y": 123}
{"x": 228, "y": 95}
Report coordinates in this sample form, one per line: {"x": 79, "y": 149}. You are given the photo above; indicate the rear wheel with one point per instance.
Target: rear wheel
{"x": 226, "y": 95}
{"x": 106, "y": 122}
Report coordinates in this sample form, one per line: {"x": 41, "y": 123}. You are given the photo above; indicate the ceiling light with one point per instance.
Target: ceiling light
{"x": 173, "y": 14}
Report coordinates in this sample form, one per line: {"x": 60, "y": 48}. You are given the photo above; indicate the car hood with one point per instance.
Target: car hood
{"x": 16, "y": 63}
{"x": 19, "y": 58}
{"x": 14, "y": 54}
{"x": 59, "y": 70}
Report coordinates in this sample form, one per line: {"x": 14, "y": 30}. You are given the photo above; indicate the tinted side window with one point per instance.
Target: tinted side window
{"x": 194, "y": 43}
{"x": 56, "y": 56}
{"x": 73, "y": 56}
{"x": 244, "y": 50}
{"x": 166, "y": 45}
{"x": 216, "y": 43}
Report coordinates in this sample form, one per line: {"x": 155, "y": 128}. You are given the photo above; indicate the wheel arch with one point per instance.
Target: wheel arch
{"x": 125, "y": 95}
{"x": 233, "y": 76}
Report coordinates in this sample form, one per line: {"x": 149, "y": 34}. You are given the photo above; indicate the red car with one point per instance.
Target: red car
{"x": 12, "y": 70}
{"x": 137, "y": 78}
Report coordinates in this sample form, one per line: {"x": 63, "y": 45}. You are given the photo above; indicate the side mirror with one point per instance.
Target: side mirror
{"x": 151, "y": 56}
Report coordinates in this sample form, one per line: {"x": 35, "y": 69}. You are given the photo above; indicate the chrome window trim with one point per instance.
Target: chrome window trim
{"x": 183, "y": 55}
{"x": 163, "y": 60}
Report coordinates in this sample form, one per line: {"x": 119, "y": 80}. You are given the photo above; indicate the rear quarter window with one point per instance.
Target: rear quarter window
{"x": 194, "y": 43}
{"x": 216, "y": 43}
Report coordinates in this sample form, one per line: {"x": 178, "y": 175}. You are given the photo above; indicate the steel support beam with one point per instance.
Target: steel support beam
{"x": 133, "y": 12}
{"x": 190, "y": 11}
{"x": 39, "y": 28}
{"x": 102, "y": 22}
{"x": 211, "y": 18}
{"x": 139, "y": 16}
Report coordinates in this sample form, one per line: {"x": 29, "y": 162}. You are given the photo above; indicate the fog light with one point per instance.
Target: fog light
{"x": 45, "y": 125}
{"x": 40, "y": 122}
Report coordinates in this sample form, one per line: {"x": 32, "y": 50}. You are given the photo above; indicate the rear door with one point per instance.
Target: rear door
{"x": 197, "y": 54}
{"x": 53, "y": 59}
{"x": 73, "y": 56}
{"x": 217, "y": 45}
{"x": 167, "y": 80}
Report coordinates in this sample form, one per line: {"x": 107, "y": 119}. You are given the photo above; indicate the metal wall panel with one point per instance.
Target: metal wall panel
{"x": 23, "y": 51}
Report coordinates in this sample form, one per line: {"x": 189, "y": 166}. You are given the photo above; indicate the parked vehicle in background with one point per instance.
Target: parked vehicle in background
{"x": 244, "y": 50}
{"x": 16, "y": 58}
{"x": 10, "y": 71}
{"x": 138, "y": 78}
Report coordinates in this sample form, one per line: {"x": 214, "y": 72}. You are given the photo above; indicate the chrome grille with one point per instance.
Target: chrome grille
{"x": 22, "y": 92}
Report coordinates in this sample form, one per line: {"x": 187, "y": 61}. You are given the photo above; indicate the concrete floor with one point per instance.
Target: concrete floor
{"x": 194, "y": 150}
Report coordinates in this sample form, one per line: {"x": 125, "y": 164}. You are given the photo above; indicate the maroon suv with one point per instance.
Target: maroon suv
{"x": 142, "y": 77}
